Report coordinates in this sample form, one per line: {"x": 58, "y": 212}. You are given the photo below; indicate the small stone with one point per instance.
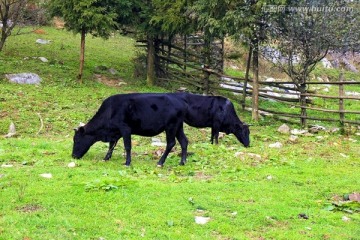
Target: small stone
{"x": 298, "y": 132}
{"x": 316, "y": 129}
{"x": 43, "y": 59}
{"x": 293, "y": 138}
{"x": 346, "y": 219}
{"x": 42, "y": 41}
{"x": 284, "y": 129}
{"x": 254, "y": 156}
{"x": 201, "y": 220}
{"x": 269, "y": 177}
{"x": 46, "y": 175}
{"x": 24, "y": 78}
{"x": 276, "y": 145}
{"x": 112, "y": 71}
{"x": 157, "y": 142}
{"x": 71, "y": 165}
{"x": 7, "y": 165}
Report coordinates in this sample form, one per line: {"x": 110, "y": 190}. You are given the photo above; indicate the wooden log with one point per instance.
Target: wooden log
{"x": 329, "y": 110}
{"x": 330, "y": 97}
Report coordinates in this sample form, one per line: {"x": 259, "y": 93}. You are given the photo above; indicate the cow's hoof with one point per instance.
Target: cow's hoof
{"x": 181, "y": 163}
{"x": 159, "y": 165}
{"x": 126, "y": 165}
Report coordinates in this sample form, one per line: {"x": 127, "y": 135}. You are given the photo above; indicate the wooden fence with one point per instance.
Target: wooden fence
{"x": 184, "y": 64}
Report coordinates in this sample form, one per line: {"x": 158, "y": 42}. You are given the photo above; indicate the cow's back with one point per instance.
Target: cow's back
{"x": 146, "y": 114}
{"x": 202, "y": 111}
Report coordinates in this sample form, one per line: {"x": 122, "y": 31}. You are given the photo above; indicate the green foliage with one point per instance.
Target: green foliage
{"x": 93, "y": 16}
{"x": 170, "y": 17}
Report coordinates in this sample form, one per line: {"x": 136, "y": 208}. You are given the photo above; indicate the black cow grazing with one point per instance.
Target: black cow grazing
{"x": 145, "y": 114}
{"x": 215, "y": 112}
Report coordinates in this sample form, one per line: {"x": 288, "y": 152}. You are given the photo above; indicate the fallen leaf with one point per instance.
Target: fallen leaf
{"x": 354, "y": 197}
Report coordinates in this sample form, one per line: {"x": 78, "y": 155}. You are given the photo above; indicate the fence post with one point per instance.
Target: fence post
{"x": 341, "y": 102}
{"x": 185, "y": 49}
{"x": 303, "y": 114}
{"x": 206, "y": 84}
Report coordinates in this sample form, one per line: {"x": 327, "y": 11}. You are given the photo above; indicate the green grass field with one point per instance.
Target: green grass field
{"x": 284, "y": 193}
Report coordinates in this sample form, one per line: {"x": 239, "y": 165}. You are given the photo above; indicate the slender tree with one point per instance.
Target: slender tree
{"x": 95, "y": 17}
{"x": 305, "y": 32}
{"x": 246, "y": 21}
{"x": 11, "y": 12}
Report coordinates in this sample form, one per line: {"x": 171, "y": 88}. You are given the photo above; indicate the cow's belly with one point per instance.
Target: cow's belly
{"x": 147, "y": 132}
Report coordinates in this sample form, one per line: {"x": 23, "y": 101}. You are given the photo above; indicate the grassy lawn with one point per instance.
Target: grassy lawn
{"x": 281, "y": 193}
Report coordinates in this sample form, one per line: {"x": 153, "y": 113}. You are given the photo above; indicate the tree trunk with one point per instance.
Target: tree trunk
{"x": 150, "y": 79}
{"x": 82, "y": 54}
{"x": 248, "y": 65}
{"x": 4, "y": 31}
{"x": 255, "y": 93}
{"x": 2, "y": 41}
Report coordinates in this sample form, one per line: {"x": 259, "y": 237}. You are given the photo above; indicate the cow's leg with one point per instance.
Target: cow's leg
{"x": 127, "y": 146}
{"x": 215, "y": 134}
{"x": 180, "y": 136}
{"x": 112, "y": 145}
{"x": 170, "y": 143}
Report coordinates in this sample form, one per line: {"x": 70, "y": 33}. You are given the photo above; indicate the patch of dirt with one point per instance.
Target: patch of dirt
{"x": 202, "y": 176}
{"x": 39, "y": 31}
{"x": 3, "y": 114}
{"x": 29, "y": 208}
{"x": 109, "y": 81}
{"x": 58, "y": 23}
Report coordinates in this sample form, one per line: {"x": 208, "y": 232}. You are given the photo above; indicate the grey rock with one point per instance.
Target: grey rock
{"x": 42, "y": 41}
{"x": 24, "y": 78}
{"x": 285, "y": 129}
{"x": 113, "y": 71}
{"x": 43, "y": 59}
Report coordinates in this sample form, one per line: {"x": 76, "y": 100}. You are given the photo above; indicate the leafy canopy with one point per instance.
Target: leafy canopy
{"x": 97, "y": 17}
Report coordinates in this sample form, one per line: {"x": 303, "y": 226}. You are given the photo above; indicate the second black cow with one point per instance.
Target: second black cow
{"x": 216, "y": 112}
{"x": 141, "y": 114}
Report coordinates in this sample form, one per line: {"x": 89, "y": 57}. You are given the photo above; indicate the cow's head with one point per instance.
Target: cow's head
{"x": 242, "y": 133}
{"x": 82, "y": 142}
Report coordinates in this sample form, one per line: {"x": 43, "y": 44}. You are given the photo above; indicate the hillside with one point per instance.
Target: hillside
{"x": 279, "y": 188}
